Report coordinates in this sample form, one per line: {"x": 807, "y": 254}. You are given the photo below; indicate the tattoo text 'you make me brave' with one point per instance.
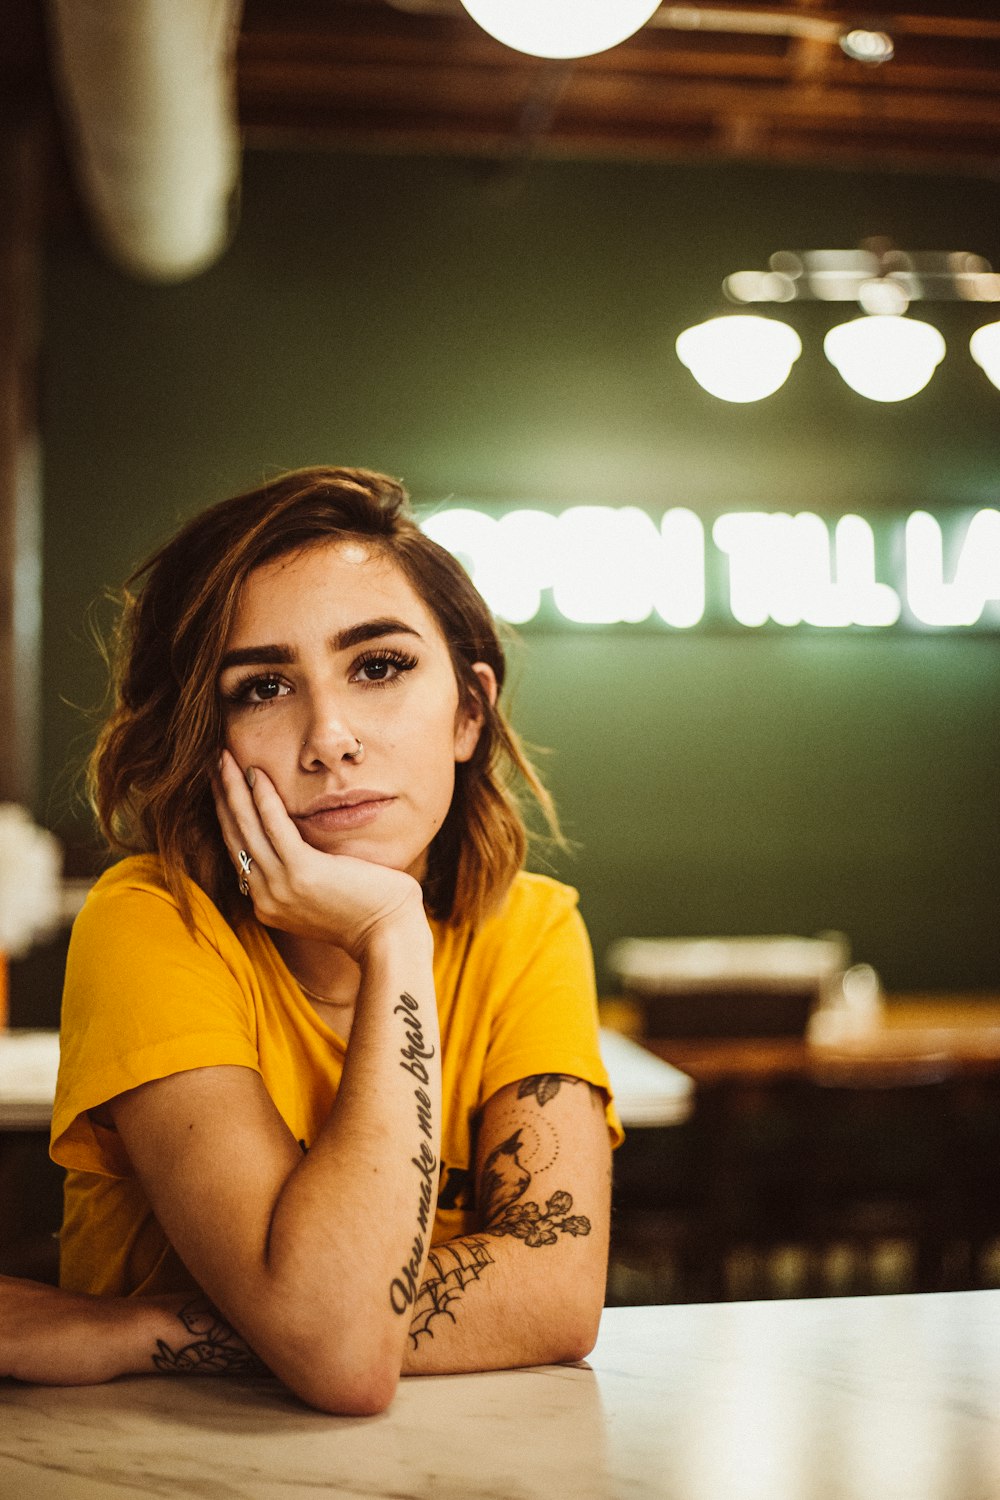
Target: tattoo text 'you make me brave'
{"x": 414, "y": 1057}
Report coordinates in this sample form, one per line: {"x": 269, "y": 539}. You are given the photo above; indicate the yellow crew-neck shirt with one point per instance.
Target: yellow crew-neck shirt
{"x": 145, "y": 997}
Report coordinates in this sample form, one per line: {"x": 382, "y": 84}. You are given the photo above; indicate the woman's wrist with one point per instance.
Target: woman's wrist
{"x": 402, "y": 935}
{"x": 182, "y": 1335}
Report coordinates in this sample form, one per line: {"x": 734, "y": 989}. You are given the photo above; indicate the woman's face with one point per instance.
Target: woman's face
{"x": 331, "y": 645}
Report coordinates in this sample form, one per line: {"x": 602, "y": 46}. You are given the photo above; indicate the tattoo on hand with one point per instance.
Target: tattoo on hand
{"x": 216, "y": 1348}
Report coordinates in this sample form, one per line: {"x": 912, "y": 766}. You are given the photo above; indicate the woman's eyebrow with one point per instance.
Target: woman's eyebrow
{"x": 256, "y": 656}
{"x": 370, "y": 630}
{"x": 343, "y": 640}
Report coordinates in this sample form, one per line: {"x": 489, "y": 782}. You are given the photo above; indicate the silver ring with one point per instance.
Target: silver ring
{"x": 355, "y": 755}
{"x": 246, "y": 865}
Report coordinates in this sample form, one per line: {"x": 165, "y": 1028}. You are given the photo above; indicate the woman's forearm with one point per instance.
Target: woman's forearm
{"x": 351, "y": 1227}
{"x": 494, "y": 1303}
{"x": 314, "y": 1259}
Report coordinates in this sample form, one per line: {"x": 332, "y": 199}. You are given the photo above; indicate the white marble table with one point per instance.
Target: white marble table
{"x": 882, "y": 1398}
{"x": 648, "y": 1091}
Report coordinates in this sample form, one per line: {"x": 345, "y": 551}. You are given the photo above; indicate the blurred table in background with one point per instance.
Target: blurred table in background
{"x": 959, "y": 1034}
{"x": 864, "y": 1164}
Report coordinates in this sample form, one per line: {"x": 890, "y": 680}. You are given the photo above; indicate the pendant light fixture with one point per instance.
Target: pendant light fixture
{"x": 884, "y": 355}
{"x": 739, "y": 357}
{"x": 561, "y": 28}
{"x": 984, "y": 346}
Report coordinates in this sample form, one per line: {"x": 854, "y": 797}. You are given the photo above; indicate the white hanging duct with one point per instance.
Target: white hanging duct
{"x": 148, "y": 89}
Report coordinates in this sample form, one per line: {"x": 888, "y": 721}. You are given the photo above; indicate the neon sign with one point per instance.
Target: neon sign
{"x": 605, "y": 565}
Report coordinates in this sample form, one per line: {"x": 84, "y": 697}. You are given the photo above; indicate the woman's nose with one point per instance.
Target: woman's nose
{"x": 328, "y": 739}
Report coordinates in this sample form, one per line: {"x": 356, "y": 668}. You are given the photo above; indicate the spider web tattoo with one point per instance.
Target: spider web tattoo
{"x": 450, "y": 1268}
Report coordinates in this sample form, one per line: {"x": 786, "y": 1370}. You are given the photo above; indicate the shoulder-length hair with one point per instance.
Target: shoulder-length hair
{"x": 150, "y": 773}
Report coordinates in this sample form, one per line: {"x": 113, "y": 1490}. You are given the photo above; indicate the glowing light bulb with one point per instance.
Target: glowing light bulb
{"x": 984, "y": 346}
{"x": 739, "y": 357}
{"x": 561, "y": 28}
{"x": 883, "y": 357}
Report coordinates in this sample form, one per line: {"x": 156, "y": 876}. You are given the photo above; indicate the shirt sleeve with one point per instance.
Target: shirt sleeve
{"x": 544, "y": 1016}
{"x": 144, "y": 998}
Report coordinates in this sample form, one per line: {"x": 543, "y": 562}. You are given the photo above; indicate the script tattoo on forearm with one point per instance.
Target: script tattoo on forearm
{"x": 214, "y": 1349}
{"x": 414, "y": 1056}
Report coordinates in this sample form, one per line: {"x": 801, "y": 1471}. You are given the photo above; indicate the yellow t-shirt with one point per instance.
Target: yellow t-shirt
{"x": 145, "y": 998}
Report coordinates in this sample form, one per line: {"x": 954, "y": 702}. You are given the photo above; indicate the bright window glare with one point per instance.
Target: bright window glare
{"x": 883, "y": 357}
{"x": 739, "y": 357}
{"x": 561, "y": 28}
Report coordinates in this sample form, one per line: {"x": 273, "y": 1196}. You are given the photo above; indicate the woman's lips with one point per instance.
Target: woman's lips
{"x": 347, "y": 815}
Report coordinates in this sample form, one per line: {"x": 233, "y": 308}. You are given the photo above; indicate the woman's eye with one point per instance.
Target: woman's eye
{"x": 383, "y": 667}
{"x": 261, "y": 690}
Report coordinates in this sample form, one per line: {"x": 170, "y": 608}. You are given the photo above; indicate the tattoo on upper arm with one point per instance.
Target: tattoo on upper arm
{"x": 214, "y": 1349}
{"x": 544, "y": 1086}
{"x": 404, "y": 1288}
{"x": 506, "y": 1179}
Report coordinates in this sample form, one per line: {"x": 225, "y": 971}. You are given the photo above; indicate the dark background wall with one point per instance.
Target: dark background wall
{"x": 508, "y": 335}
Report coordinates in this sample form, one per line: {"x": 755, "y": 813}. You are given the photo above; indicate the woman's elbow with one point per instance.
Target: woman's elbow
{"x": 346, "y": 1371}
{"x": 580, "y": 1334}
{"x": 363, "y": 1392}
{"x": 573, "y": 1326}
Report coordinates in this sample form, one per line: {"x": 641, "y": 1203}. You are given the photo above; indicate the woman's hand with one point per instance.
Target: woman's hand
{"x": 51, "y": 1337}
{"x": 334, "y": 898}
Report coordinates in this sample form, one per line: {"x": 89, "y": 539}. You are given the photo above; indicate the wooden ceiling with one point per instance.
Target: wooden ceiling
{"x": 420, "y": 75}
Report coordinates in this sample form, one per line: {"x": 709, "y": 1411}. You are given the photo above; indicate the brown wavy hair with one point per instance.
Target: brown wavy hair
{"x": 149, "y": 777}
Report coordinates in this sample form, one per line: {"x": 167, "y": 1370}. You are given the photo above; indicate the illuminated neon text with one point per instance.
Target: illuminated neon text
{"x": 604, "y": 565}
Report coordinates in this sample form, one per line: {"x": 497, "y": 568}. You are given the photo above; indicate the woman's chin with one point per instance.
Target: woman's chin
{"x": 357, "y": 847}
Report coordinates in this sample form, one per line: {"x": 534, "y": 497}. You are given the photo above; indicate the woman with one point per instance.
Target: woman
{"x": 329, "y": 1067}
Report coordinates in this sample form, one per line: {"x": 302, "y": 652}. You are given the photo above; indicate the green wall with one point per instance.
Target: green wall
{"x": 508, "y": 335}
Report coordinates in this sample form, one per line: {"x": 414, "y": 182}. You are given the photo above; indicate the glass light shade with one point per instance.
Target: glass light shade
{"x": 561, "y": 28}
{"x": 984, "y": 346}
{"x": 739, "y": 357}
{"x": 883, "y": 357}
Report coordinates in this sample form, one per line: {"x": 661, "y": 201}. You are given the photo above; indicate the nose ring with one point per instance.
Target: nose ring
{"x": 355, "y": 755}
